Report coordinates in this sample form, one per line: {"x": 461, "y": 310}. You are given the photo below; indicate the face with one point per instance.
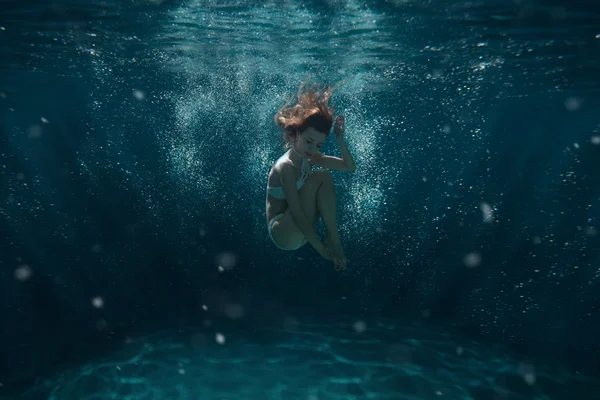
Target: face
{"x": 310, "y": 142}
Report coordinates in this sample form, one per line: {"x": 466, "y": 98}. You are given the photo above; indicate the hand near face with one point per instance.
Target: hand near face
{"x": 338, "y": 128}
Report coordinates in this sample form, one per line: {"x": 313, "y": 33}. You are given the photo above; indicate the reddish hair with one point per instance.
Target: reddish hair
{"x": 311, "y": 111}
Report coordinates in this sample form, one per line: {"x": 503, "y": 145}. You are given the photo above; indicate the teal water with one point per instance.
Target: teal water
{"x": 135, "y": 142}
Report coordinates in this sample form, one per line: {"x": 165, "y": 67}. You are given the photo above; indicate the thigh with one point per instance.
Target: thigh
{"x": 285, "y": 232}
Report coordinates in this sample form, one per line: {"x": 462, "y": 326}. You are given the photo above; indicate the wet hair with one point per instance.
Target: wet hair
{"x": 311, "y": 111}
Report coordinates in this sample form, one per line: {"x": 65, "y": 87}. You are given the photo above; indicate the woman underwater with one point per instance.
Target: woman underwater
{"x": 297, "y": 196}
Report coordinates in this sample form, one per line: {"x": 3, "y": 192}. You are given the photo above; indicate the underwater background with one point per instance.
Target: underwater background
{"x": 135, "y": 141}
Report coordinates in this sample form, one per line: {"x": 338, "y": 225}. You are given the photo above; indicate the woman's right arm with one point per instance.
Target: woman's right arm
{"x": 288, "y": 183}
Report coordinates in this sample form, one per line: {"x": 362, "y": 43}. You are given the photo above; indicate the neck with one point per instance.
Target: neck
{"x": 295, "y": 155}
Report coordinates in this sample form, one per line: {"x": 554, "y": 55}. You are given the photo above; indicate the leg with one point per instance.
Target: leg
{"x": 284, "y": 232}
{"x": 311, "y": 197}
{"x": 326, "y": 204}
{"x": 327, "y": 208}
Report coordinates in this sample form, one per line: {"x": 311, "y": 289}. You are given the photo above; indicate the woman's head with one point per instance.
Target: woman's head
{"x": 310, "y": 120}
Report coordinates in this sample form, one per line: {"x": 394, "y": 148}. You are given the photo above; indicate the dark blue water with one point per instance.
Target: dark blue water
{"x": 135, "y": 142}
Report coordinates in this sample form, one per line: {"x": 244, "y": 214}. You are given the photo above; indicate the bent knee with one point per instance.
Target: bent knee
{"x": 324, "y": 175}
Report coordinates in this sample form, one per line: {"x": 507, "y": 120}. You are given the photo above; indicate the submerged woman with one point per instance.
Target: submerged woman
{"x": 296, "y": 196}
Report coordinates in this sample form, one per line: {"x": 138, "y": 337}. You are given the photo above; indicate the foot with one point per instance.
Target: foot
{"x": 335, "y": 246}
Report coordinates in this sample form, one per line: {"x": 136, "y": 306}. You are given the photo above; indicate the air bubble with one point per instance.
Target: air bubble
{"x": 35, "y": 132}
{"x": 23, "y": 273}
{"x": 360, "y": 326}
{"x": 139, "y": 95}
{"x": 472, "y": 260}
{"x": 487, "y": 212}
{"x": 226, "y": 260}
{"x": 98, "y": 302}
{"x": 573, "y": 103}
{"x": 234, "y": 311}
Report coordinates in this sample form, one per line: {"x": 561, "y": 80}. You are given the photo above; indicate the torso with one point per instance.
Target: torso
{"x": 274, "y": 205}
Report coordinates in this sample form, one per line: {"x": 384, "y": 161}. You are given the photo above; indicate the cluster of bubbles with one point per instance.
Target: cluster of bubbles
{"x": 221, "y": 112}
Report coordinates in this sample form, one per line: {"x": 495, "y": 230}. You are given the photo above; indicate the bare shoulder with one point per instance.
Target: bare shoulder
{"x": 281, "y": 163}
{"x": 277, "y": 168}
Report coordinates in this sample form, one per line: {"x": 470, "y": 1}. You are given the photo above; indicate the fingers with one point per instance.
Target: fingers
{"x": 339, "y": 123}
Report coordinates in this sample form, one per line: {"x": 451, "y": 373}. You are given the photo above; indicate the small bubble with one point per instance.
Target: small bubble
{"x": 96, "y": 248}
{"x": 2, "y": 28}
{"x": 204, "y": 307}
{"x": 2, "y": 95}
{"x": 202, "y": 232}
{"x": 529, "y": 378}
{"x": 537, "y": 240}
{"x": 20, "y": 176}
{"x": 424, "y": 179}
{"x": 595, "y": 140}
{"x": 139, "y": 94}
{"x": 360, "y": 326}
{"x": 220, "y": 338}
{"x": 98, "y": 302}
{"x": 459, "y": 350}
{"x": 576, "y": 145}
{"x": 101, "y": 325}
{"x": 182, "y": 371}
{"x": 598, "y": 36}
{"x": 44, "y": 120}
{"x": 23, "y": 273}
{"x": 234, "y": 311}
{"x": 447, "y": 129}
{"x": 220, "y": 268}
{"x": 591, "y": 231}
{"x": 227, "y": 260}
{"x": 472, "y": 260}
{"x": 528, "y": 373}
{"x": 573, "y": 103}
{"x": 487, "y": 212}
